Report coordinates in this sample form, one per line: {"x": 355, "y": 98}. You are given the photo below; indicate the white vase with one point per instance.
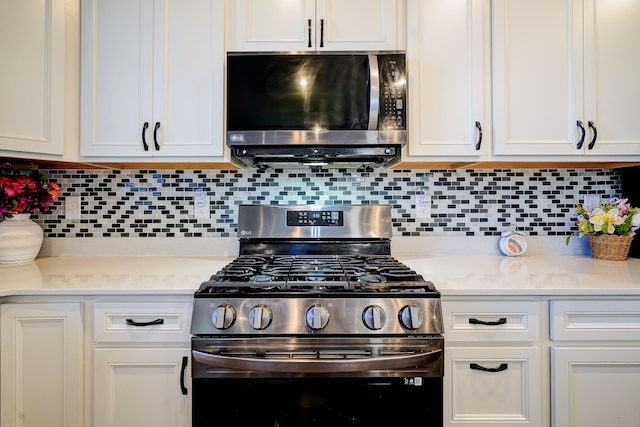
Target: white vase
{"x": 20, "y": 239}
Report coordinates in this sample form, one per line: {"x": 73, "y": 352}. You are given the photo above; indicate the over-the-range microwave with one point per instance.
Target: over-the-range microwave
{"x": 336, "y": 109}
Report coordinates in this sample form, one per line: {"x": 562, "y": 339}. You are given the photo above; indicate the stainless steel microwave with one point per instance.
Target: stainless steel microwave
{"x": 334, "y": 109}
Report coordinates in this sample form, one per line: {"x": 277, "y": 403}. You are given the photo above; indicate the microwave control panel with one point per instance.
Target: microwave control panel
{"x": 393, "y": 82}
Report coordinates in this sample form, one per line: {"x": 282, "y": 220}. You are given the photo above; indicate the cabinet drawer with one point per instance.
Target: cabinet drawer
{"x": 142, "y": 322}
{"x": 467, "y": 321}
{"x": 607, "y": 320}
{"x": 493, "y": 386}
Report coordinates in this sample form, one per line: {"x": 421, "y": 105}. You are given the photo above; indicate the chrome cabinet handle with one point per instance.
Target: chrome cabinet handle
{"x": 132, "y": 322}
{"x": 500, "y": 321}
{"x": 479, "y": 142}
{"x": 595, "y": 135}
{"x": 315, "y": 365}
{"x": 155, "y": 136}
{"x": 144, "y": 140}
{"x": 309, "y": 31}
{"x": 183, "y": 388}
{"x": 581, "y": 126}
{"x": 322, "y": 33}
{"x": 502, "y": 367}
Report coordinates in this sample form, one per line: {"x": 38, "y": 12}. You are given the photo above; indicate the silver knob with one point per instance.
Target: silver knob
{"x": 374, "y": 317}
{"x": 260, "y": 316}
{"x": 317, "y": 317}
{"x": 223, "y": 316}
{"x": 411, "y": 316}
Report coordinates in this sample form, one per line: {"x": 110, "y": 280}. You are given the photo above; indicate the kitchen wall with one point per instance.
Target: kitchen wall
{"x": 159, "y": 203}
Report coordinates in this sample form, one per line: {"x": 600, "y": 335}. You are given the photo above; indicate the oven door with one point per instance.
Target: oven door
{"x": 317, "y": 382}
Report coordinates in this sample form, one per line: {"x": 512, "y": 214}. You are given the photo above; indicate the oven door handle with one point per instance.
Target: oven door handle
{"x": 316, "y": 365}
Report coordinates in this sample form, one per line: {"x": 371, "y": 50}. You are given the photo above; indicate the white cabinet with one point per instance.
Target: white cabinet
{"x": 152, "y": 79}
{"x": 448, "y": 55}
{"x": 595, "y": 362}
{"x": 141, "y": 369}
{"x": 554, "y": 88}
{"x": 493, "y": 363}
{"x": 42, "y": 365}
{"x": 32, "y": 76}
{"x": 331, "y": 25}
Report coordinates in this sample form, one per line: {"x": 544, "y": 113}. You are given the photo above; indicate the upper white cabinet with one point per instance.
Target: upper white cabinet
{"x": 152, "y": 78}
{"x": 565, "y": 77}
{"x": 32, "y": 76}
{"x": 331, "y": 25}
{"x": 448, "y": 51}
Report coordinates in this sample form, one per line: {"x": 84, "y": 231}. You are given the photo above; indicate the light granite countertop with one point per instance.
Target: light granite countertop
{"x": 453, "y": 275}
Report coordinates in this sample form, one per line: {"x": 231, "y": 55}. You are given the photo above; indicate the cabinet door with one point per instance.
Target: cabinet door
{"x": 595, "y": 387}
{"x": 188, "y": 92}
{"x": 357, "y": 25}
{"x": 448, "y": 47}
{"x": 299, "y": 25}
{"x": 152, "y": 78}
{"x": 493, "y": 386}
{"x": 116, "y": 78}
{"x": 271, "y": 25}
{"x": 32, "y": 76}
{"x": 141, "y": 387}
{"x": 537, "y": 77}
{"x": 41, "y": 365}
{"x": 612, "y": 67}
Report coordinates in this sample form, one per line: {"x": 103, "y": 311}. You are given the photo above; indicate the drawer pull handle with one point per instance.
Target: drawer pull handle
{"x": 500, "y": 321}
{"x": 500, "y": 368}
{"x": 183, "y": 388}
{"x": 153, "y": 322}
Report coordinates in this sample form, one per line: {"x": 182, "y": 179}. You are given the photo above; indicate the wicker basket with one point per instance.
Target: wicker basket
{"x": 610, "y": 247}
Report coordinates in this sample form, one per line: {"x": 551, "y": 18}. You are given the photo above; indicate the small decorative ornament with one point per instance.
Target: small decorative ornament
{"x": 512, "y": 242}
{"x": 609, "y": 227}
{"x": 21, "y": 196}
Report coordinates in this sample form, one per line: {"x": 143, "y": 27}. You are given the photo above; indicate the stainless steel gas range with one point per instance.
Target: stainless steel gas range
{"x": 315, "y": 323}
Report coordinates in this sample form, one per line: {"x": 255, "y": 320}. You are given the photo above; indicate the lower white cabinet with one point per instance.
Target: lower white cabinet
{"x": 595, "y": 362}
{"x": 595, "y": 386}
{"x": 141, "y": 387}
{"x": 141, "y": 362}
{"x": 493, "y": 373}
{"x": 42, "y": 365}
{"x": 493, "y": 385}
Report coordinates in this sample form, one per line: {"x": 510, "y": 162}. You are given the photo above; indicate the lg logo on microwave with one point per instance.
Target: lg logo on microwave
{"x": 236, "y": 137}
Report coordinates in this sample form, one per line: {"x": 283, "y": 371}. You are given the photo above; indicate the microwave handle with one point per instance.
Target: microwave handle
{"x": 374, "y": 92}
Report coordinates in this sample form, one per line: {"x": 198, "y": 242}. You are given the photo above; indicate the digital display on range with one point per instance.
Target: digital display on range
{"x": 315, "y": 218}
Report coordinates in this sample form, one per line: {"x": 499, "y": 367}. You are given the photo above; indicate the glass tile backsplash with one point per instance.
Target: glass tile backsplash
{"x": 160, "y": 203}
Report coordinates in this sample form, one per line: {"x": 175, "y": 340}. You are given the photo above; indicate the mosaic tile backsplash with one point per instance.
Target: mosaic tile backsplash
{"x": 160, "y": 203}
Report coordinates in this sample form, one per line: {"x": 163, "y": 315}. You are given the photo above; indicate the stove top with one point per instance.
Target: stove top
{"x": 300, "y": 273}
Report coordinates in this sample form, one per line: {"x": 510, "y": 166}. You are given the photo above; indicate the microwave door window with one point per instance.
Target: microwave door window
{"x": 297, "y": 92}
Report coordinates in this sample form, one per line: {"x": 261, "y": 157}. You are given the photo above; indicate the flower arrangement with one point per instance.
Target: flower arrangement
{"x": 26, "y": 194}
{"x": 617, "y": 217}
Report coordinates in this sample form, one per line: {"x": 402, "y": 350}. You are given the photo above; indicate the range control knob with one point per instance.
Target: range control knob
{"x": 317, "y": 317}
{"x": 260, "y": 316}
{"x": 374, "y": 317}
{"x": 223, "y": 316}
{"x": 411, "y": 317}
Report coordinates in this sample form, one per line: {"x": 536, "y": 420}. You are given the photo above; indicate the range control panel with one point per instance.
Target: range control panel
{"x": 315, "y": 218}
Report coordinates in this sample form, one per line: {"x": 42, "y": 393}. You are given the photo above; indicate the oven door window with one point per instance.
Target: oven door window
{"x": 330, "y": 402}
